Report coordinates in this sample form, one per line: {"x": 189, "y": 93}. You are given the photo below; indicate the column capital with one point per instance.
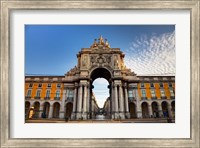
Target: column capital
{"x": 120, "y": 85}
{"x": 80, "y": 85}
{"x": 115, "y": 85}
{"x": 125, "y": 85}
{"x": 86, "y": 85}
{"x": 76, "y": 85}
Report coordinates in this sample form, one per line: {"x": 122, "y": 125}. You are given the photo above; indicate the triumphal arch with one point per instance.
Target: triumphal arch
{"x": 71, "y": 96}
{"x": 101, "y": 61}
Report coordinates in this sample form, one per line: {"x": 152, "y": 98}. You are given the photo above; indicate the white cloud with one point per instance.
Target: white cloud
{"x": 152, "y": 55}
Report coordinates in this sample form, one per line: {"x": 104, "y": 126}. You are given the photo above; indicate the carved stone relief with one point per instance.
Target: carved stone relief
{"x": 85, "y": 61}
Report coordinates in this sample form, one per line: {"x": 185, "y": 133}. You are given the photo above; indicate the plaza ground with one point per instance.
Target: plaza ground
{"x": 145, "y": 120}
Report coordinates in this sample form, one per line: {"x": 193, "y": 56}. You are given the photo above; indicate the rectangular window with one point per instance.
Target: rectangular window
{"x": 39, "y": 85}
{"x": 143, "y": 93}
{"x": 170, "y": 84}
{"x": 48, "y": 85}
{"x": 153, "y": 93}
{"x": 29, "y": 93}
{"x": 152, "y": 85}
{"x": 130, "y": 93}
{"x": 161, "y": 85}
{"x": 71, "y": 93}
{"x": 48, "y": 93}
{"x": 38, "y": 93}
{"x": 30, "y": 85}
{"x": 162, "y": 93}
{"x": 58, "y": 85}
{"x": 142, "y": 84}
{"x": 57, "y": 93}
{"x": 171, "y": 92}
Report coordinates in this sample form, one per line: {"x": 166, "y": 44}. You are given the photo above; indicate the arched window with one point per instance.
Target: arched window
{"x": 57, "y": 93}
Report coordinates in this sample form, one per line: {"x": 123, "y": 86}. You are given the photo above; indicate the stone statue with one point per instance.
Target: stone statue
{"x": 116, "y": 62}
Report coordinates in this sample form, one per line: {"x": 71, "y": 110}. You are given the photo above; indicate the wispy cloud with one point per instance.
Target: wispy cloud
{"x": 152, "y": 55}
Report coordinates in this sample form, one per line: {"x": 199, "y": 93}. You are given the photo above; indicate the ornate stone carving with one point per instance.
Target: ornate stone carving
{"x": 128, "y": 72}
{"x": 100, "y": 59}
{"x": 116, "y": 62}
{"x": 108, "y": 58}
{"x": 73, "y": 71}
{"x": 85, "y": 61}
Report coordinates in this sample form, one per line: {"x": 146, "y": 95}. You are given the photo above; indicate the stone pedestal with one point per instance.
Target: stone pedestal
{"x": 84, "y": 116}
{"x": 116, "y": 115}
{"x": 79, "y": 116}
{"x": 62, "y": 115}
{"x": 127, "y": 115}
{"x": 73, "y": 116}
{"x": 113, "y": 116}
{"x": 121, "y": 116}
{"x": 139, "y": 114}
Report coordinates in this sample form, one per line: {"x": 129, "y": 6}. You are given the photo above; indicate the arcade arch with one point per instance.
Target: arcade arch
{"x": 132, "y": 109}
{"x": 145, "y": 111}
{"x": 68, "y": 110}
{"x": 36, "y": 110}
{"x": 56, "y": 110}
{"x": 45, "y": 113}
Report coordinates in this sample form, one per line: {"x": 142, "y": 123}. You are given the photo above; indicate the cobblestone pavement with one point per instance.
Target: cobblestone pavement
{"x": 157, "y": 120}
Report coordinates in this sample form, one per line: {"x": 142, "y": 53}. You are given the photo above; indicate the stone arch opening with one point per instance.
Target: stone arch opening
{"x": 145, "y": 112}
{"x": 106, "y": 109}
{"x": 132, "y": 109}
{"x": 69, "y": 109}
{"x": 155, "y": 109}
{"x": 27, "y": 109}
{"x": 45, "y": 113}
{"x": 56, "y": 110}
{"x": 173, "y": 109}
{"x": 165, "y": 109}
{"x": 36, "y": 110}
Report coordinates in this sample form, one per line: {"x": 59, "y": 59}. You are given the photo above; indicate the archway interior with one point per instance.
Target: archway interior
{"x": 100, "y": 91}
{"x": 100, "y": 80}
{"x": 69, "y": 108}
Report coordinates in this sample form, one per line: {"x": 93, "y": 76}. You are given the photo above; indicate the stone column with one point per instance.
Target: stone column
{"x": 169, "y": 110}
{"x": 31, "y": 104}
{"x": 92, "y": 108}
{"x": 113, "y": 102}
{"x": 41, "y": 110}
{"x": 79, "y": 107}
{"x": 139, "y": 109}
{"x": 62, "y": 109}
{"x": 126, "y": 103}
{"x": 121, "y": 100}
{"x": 116, "y": 103}
{"x": 150, "y": 111}
{"x": 51, "y": 111}
{"x": 85, "y": 103}
{"x": 88, "y": 102}
{"x": 74, "y": 103}
{"x": 160, "y": 110}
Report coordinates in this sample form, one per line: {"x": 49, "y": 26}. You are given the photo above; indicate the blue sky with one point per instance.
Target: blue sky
{"x": 52, "y": 49}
